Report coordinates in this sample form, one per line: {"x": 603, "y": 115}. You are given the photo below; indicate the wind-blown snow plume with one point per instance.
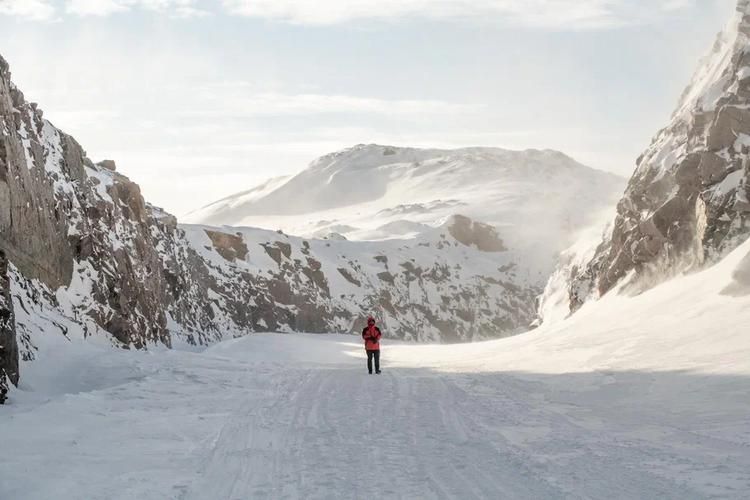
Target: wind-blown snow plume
{"x": 687, "y": 204}
{"x": 535, "y": 198}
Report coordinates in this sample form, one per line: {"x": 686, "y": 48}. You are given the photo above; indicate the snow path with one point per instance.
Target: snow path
{"x": 228, "y": 424}
{"x": 396, "y": 435}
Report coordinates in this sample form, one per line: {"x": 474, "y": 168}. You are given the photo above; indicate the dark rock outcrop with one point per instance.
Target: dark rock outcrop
{"x": 8, "y": 344}
{"x": 229, "y": 246}
{"x": 471, "y": 233}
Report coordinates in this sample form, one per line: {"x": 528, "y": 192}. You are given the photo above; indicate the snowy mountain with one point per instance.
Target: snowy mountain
{"x": 687, "y": 204}
{"x": 536, "y": 199}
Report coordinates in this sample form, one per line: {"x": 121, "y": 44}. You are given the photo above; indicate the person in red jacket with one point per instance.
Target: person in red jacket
{"x": 371, "y": 334}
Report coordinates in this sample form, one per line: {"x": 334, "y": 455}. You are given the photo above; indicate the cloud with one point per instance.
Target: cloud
{"x": 224, "y": 102}
{"x": 36, "y": 10}
{"x": 94, "y": 7}
{"x": 179, "y": 8}
{"x": 550, "y": 14}
{"x": 558, "y": 14}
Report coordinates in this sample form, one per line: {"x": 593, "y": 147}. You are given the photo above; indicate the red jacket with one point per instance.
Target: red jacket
{"x": 372, "y": 338}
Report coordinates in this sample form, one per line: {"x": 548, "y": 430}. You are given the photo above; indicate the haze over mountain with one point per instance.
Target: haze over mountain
{"x": 537, "y": 199}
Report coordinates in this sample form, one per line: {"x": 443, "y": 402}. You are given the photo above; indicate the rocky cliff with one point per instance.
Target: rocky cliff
{"x": 687, "y": 202}
{"x": 62, "y": 217}
{"x": 8, "y": 344}
{"x": 87, "y": 257}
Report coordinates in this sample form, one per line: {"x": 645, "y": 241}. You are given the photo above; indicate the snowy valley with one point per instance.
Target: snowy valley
{"x": 86, "y": 255}
{"x": 530, "y": 351}
{"x": 624, "y": 400}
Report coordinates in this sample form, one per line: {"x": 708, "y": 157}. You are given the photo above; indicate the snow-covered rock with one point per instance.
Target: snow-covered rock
{"x": 687, "y": 204}
{"x": 431, "y": 288}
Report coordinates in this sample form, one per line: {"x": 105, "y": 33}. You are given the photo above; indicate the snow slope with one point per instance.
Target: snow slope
{"x": 373, "y": 192}
{"x": 632, "y": 397}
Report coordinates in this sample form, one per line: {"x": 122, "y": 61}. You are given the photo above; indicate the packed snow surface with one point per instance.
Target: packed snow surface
{"x": 632, "y": 397}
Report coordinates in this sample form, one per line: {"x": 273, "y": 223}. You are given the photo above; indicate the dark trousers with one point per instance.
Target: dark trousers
{"x": 373, "y": 354}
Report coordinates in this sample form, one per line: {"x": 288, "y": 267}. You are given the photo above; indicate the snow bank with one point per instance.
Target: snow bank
{"x": 688, "y": 323}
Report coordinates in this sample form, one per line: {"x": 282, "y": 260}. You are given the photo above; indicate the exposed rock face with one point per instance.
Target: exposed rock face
{"x": 32, "y": 222}
{"x": 86, "y": 255}
{"x": 471, "y": 233}
{"x": 63, "y": 214}
{"x": 67, "y": 224}
{"x": 8, "y": 344}
{"x": 687, "y": 202}
{"x": 740, "y": 285}
{"x": 108, "y": 164}
{"x": 229, "y": 246}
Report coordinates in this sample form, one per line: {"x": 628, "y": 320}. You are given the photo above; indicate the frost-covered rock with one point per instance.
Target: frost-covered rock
{"x": 687, "y": 202}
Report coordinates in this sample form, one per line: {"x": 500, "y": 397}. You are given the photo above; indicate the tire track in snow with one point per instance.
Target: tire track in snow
{"x": 569, "y": 454}
{"x": 330, "y": 433}
{"x": 345, "y": 434}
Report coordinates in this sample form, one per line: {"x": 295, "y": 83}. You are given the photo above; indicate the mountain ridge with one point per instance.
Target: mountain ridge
{"x": 537, "y": 199}
{"x": 364, "y": 157}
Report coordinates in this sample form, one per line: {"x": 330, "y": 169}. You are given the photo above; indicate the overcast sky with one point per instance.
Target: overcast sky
{"x": 197, "y": 99}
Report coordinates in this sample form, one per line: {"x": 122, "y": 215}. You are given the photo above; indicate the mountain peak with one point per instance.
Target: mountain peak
{"x": 720, "y": 68}
{"x": 372, "y": 156}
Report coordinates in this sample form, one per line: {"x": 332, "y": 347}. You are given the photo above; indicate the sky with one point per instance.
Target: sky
{"x": 198, "y": 99}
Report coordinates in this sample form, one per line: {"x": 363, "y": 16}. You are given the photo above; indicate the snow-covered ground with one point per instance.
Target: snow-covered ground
{"x": 633, "y": 397}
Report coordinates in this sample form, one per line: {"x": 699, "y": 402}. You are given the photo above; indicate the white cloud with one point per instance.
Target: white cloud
{"x": 180, "y": 8}
{"x": 559, "y": 14}
{"x": 94, "y": 7}
{"x": 225, "y": 102}
{"x": 36, "y": 10}
{"x": 553, "y": 14}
